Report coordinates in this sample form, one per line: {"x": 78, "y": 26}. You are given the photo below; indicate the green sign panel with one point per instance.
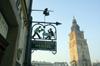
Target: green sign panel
{"x": 43, "y": 45}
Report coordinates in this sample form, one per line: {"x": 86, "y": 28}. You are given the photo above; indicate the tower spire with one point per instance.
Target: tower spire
{"x": 75, "y": 26}
{"x": 78, "y": 55}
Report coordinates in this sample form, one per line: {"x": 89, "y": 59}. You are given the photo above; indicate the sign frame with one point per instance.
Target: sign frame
{"x": 44, "y": 45}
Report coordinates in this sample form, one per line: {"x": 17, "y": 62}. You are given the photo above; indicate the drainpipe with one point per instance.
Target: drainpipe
{"x": 27, "y": 61}
{"x": 28, "y": 46}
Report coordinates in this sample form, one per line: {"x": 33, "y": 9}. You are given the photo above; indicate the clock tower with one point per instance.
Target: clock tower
{"x": 79, "y": 52}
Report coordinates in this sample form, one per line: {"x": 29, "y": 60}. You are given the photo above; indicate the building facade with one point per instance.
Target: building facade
{"x": 95, "y": 64}
{"x": 37, "y": 63}
{"x": 60, "y": 64}
{"x": 14, "y": 25}
{"x": 79, "y": 52}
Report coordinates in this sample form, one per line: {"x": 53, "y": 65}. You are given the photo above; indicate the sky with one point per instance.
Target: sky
{"x": 87, "y": 15}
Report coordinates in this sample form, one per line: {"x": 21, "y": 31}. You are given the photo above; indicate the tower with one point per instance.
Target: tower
{"x": 79, "y": 52}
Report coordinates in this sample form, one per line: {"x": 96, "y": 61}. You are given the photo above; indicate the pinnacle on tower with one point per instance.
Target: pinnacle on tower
{"x": 75, "y": 26}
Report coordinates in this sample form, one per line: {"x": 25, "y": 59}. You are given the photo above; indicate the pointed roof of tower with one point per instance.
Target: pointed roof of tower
{"x": 75, "y": 26}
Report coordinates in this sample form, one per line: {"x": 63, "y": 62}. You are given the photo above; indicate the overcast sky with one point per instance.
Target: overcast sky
{"x": 87, "y": 15}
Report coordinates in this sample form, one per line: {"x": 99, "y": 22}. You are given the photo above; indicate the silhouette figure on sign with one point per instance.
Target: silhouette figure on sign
{"x": 50, "y": 34}
{"x": 36, "y": 31}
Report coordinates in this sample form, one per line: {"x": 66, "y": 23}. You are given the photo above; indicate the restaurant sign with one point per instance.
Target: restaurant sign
{"x": 43, "y": 45}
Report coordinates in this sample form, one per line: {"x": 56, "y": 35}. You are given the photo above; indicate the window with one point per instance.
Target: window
{"x": 82, "y": 63}
{"x": 74, "y": 57}
{"x": 86, "y": 64}
{"x": 72, "y": 45}
{"x": 81, "y": 44}
{"x": 79, "y": 34}
{"x": 83, "y": 56}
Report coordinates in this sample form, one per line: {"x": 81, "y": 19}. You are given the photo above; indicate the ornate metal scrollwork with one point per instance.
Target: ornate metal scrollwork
{"x": 54, "y": 52}
{"x": 46, "y": 40}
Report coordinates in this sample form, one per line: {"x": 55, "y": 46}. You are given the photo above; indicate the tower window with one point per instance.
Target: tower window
{"x": 74, "y": 57}
{"x": 79, "y": 34}
{"x": 83, "y": 56}
{"x": 86, "y": 64}
{"x": 81, "y": 44}
{"x": 72, "y": 45}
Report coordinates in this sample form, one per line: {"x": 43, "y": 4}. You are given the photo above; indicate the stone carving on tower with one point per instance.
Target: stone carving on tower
{"x": 79, "y": 52}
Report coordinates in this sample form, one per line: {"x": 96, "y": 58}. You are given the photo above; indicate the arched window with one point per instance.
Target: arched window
{"x": 86, "y": 64}
{"x": 83, "y": 55}
{"x": 81, "y": 44}
{"x": 72, "y": 45}
{"x": 74, "y": 57}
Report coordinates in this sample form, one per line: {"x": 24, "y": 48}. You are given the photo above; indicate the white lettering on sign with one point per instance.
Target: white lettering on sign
{"x": 3, "y": 27}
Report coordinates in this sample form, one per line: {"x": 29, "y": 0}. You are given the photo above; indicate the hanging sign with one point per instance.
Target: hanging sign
{"x": 43, "y": 45}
